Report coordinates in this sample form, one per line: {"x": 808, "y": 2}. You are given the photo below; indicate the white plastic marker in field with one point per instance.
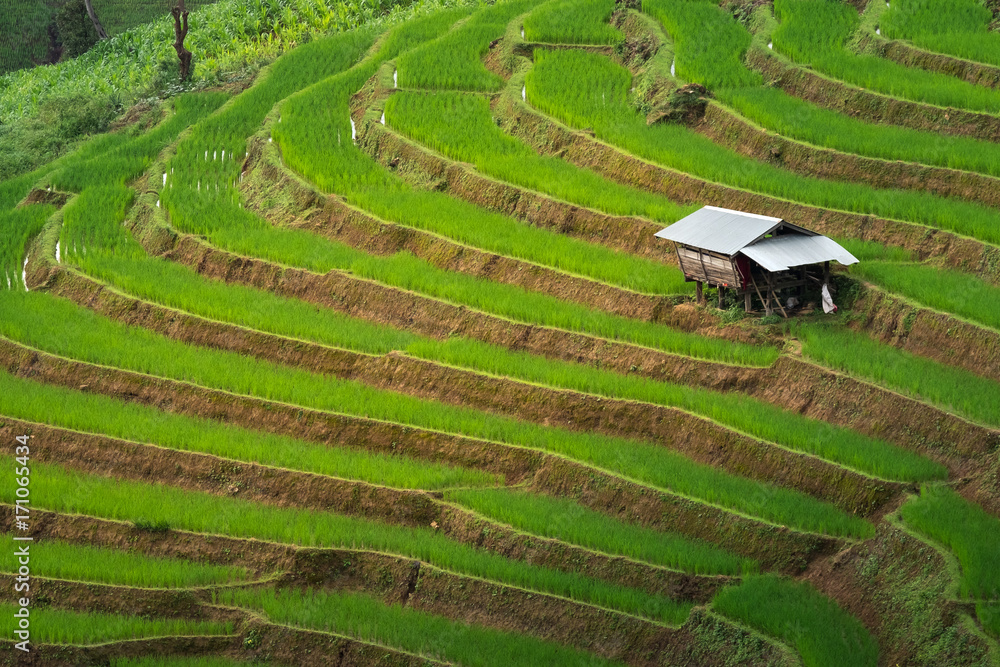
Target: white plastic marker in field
{"x": 770, "y": 45}
{"x": 24, "y": 273}
{"x": 9, "y": 286}
{"x": 524, "y": 93}
{"x": 522, "y": 32}
{"x": 164, "y": 179}
{"x": 206, "y": 156}
{"x": 382, "y": 120}
{"x": 354, "y": 133}
{"x": 878, "y": 31}
{"x": 223, "y": 153}
{"x": 157, "y": 203}
{"x": 672, "y": 68}
{"x": 58, "y": 261}
{"x": 395, "y": 78}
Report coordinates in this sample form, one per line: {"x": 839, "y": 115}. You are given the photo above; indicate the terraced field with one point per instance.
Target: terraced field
{"x": 378, "y": 361}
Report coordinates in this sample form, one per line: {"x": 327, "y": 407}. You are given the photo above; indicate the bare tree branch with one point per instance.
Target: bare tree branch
{"x": 101, "y": 33}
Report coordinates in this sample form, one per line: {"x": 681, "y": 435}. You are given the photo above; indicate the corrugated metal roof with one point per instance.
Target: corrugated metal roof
{"x": 720, "y": 230}
{"x": 780, "y": 253}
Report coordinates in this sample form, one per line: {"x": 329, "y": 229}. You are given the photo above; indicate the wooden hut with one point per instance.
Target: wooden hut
{"x": 755, "y": 255}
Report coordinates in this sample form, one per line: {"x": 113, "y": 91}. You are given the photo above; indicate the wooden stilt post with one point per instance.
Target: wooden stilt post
{"x": 747, "y": 300}
{"x": 722, "y": 291}
{"x": 699, "y": 295}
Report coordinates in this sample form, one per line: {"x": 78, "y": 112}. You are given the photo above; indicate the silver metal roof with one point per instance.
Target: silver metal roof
{"x": 780, "y": 253}
{"x": 720, "y": 230}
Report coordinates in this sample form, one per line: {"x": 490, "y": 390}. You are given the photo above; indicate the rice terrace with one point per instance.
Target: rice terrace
{"x": 524, "y": 332}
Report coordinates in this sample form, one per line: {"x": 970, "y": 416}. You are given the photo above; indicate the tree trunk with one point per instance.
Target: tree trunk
{"x": 101, "y": 33}
{"x": 180, "y": 15}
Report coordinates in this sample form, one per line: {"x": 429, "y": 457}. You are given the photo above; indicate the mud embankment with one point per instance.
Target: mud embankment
{"x": 584, "y": 150}
{"x": 726, "y": 128}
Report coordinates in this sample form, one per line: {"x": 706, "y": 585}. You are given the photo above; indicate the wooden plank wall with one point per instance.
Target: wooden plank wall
{"x": 707, "y": 267}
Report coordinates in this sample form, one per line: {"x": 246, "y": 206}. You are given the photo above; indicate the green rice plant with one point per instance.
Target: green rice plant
{"x": 956, "y": 27}
{"x": 588, "y": 90}
{"x": 241, "y": 232}
{"x": 17, "y": 228}
{"x": 709, "y": 44}
{"x": 951, "y": 388}
{"x": 454, "y": 60}
{"x": 989, "y": 616}
{"x": 367, "y": 619}
{"x": 568, "y": 521}
{"x": 180, "y": 661}
{"x": 63, "y": 560}
{"x": 816, "y": 33}
{"x": 870, "y": 251}
{"x": 968, "y": 531}
{"x": 461, "y": 126}
{"x": 56, "y": 488}
{"x": 950, "y": 291}
{"x": 59, "y": 626}
{"x": 122, "y": 164}
{"x": 62, "y": 328}
{"x": 93, "y": 413}
{"x": 734, "y": 410}
{"x": 822, "y": 633}
{"x": 792, "y": 117}
{"x": 95, "y": 219}
{"x": 572, "y": 22}
{"x": 344, "y": 169}
{"x": 179, "y": 287}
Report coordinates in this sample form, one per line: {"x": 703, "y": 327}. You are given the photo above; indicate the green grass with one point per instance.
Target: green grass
{"x": 461, "y": 126}
{"x": 816, "y": 32}
{"x": 568, "y": 521}
{"x": 956, "y": 27}
{"x": 367, "y": 619}
{"x": 572, "y": 22}
{"x": 59, "y": 626}
{"x": 93, "y": 413}
{"x": 65, "y": 329}
{"x": 971, "y": 533}
{"x": 950, "y": 291}
{"x": 822, "y": 633}
{"x": 56, "y": 488}
{"x": 63, "y": 560}
{"x": 179, "y": 287}
{"x": 117, "y": 16}
{"x": 227, "y": 36}
{"x": 454, "y": 60}
{"x": 588, "y": 90}
{"x": 950, "y": 388}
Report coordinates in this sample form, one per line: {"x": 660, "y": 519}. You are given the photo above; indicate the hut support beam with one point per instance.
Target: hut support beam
{"x": 747, "y": 300}
{"x": 722, "y": 292}
{"x": 698, "y": 293}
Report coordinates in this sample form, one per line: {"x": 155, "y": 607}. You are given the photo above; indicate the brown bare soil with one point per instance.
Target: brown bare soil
{"x": 726, "y": 128}
{"x": 699, "y": 439}
{"x": 860, "y": 578}
{"x": 584, "y": 150}
{"x": 53, "y": 198}
{"x": 60, "y": 655}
